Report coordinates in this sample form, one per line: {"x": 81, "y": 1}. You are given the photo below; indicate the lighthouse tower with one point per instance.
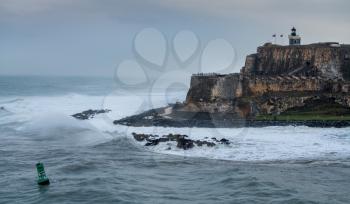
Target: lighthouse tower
{"x": 294, "y": 39}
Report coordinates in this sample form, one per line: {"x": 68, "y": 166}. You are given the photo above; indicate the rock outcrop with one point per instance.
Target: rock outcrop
{"x": 329, "y": 60}
{"x": 182, "y": 141}
{"x": 274, "y": 80}
{"x": 89, "y": 114}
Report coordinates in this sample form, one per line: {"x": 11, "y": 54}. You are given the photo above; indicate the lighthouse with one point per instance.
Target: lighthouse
{"x": 294, "y": 39}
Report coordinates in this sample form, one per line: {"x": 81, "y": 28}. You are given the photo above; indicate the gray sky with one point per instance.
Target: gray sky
{"x": 91, "y": 37}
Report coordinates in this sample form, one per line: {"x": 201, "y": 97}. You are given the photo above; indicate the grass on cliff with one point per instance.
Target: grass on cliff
{"x": 304, "y": 117}
{"x": 315, "y": 111}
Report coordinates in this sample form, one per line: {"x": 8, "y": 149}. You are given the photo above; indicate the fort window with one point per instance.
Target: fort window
{"x": 308, "y": 63}
{"x": 347, "y": 57}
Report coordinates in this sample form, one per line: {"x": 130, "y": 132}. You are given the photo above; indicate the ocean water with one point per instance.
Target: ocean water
{"x": 95, "y": 161}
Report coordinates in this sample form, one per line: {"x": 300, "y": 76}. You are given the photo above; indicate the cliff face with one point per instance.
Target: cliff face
{"x": 328, "y": 60}
{"x": 276, "y": 79}
{"x": 308, "y": 84}
{"x": 212, "y": 87}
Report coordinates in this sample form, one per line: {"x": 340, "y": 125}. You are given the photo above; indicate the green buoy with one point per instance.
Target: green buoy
{"x": 42, "y": 178}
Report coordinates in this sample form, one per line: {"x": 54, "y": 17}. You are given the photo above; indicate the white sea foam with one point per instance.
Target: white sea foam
{"x": 260, "y": 144}
{"x": 48, "y": 117}
{"x": 62, "y": 129}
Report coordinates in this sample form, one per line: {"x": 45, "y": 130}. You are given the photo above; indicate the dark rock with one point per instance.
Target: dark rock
{"x": 164, "y": 139}
{"x": 88, "y": 114}
{"x": 225, "y": 141}
{"x": 182, "y": 141}
{"x": 152, "y": 142}
{"x": 140, "y": 137}
{"x": 233, "y": 123}
{"x": 201, "y": 143}
{"x": 214, "y": 138}
{"x": 210, "y": 144}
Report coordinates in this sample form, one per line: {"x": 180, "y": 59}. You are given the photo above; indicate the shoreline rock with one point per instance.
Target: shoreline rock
{"x": 182, "y": 141}
{"x": 198, "y": 120}
{"x": 89, "y": 114}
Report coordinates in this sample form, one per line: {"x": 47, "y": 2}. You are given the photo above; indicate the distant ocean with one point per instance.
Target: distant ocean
{"x": 95, "y": 161}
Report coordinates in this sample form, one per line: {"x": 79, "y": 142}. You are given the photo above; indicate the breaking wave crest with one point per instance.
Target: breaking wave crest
{"x": 48, "y": 119}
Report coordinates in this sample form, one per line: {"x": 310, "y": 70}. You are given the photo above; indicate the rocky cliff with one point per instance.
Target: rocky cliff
{"x": 279, "y": 85}
{"x": 275, "y": 79}
{"x": 328, "y": 60}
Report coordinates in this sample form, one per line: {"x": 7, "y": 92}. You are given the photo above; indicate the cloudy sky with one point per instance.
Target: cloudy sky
{"x": 91, "y": 37}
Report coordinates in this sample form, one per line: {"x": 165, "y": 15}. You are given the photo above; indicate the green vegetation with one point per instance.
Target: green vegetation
{"x": 305, "y": 117}
{"x": 318, "y": 110}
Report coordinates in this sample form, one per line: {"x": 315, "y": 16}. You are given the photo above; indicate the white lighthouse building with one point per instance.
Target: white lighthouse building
{"x": 294, "y": 39}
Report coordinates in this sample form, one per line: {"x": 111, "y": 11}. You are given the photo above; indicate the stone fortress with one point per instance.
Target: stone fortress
{"x": 275, "y": 79}
{"x": 279, "y": 85}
